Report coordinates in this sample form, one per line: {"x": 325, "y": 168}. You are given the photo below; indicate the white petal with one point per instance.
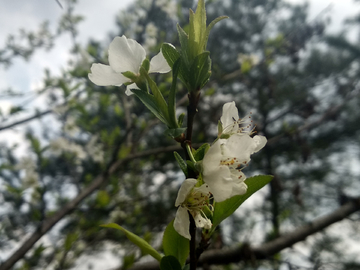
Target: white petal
{"x": 202, "y": 222}
{"x": 260, "y": 142}
{"x": 213, "y": 156}
{"x": 129, "y": 87}
{"x": 239, "y": 188}
{"x": 159, "y": 64}
{"x": 229, "y": 115}
{"x": 182, "y": 222}
{"x": 104, "y": 75}
{"x": 184, "y": 190}
{"x": 220, "y": 182}
{"x": 203, "y": 189}
{"x": 240, "y": 146}
{"x": 126, "y": 55}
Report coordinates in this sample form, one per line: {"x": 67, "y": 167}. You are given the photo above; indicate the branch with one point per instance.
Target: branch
{"x": 245, "y": 252}
{"x": 36, "y": 115}
{"x": 330, "y": 113}
{"x": 68, "y": 208}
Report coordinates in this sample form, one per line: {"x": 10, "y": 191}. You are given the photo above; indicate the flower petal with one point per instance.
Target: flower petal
{"x": 239, "y": 187}
{"x": 240, "y": 146}
{"x": 220, "y": 183}
{"x": 202, "y": 222}
{"x": 184, "y": 190}
{"x": 104, "y": 75}
{"x": 182, "y": 222}
{"x": 260, "y": 142}
{"x": 230, "y": 115}
{"x": 129, "y": 87}
{"x": 159, "y": 64}
{"x": 126, "y": 55}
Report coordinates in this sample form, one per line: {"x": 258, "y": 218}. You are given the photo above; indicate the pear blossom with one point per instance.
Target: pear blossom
{"x": 125, "y": 55}
{"x": 231, "y": 123}
{"x": 225, "y": 159}
{"x": 191, "y": 199}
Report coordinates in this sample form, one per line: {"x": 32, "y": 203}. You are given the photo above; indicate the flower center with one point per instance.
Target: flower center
{"x": 241, "y": 125}
{"x": 197, "y": 200}
{"x": 234, "y": 165}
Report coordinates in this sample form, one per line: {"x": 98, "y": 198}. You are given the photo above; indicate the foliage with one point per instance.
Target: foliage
{"x": 303, "y": 95}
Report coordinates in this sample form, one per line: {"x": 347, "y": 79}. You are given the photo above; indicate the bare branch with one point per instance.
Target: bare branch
{"x": 36, "y": 115}
{"x": 266, "y": 250}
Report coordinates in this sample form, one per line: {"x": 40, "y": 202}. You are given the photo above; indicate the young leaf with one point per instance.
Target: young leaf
{"x": 181, "y": 119}
{"x": 197, "y": 29}
{"x": 158, "y": 97}
{"x": 200, "y": 152}
{"x": 150, "y": 102}
{"x": 210, "y": 26}
{"x": 181, "y": 163}
{"x": 169, "y": 263}
{"x": 226, "y": 208}
{"x": 172, "y": 96}
{"x": 170, "y": 53}
{"x": 184, "y": 42}
{"x": 200, "y": 71}
{"x": 175, "y": 132}
{"x": 141, "y": 243}
{"x": 175, "y": 245}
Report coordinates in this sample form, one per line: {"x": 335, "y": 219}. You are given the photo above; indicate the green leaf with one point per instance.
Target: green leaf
{"x": 102, "y": 198}
{"x": 181, "y": 163}
{"x": 226, "y": 208}
{"x": 70, "y": 239}
{"x": 210, "y": 26}
{"x": 141, "y": 243}
{"x": 175, "y": 132}
{"x": 172, "y": 96}
{"x": 181, "y": 119}
{"x": 200, "y": 152}
{"x": 128, "y": 261}
{"x": 200, "y": 71}
{"x": 130, "y": 75}
{"x": 184, "y": 42}
{"x": 169, "y": 263}
{"x": 197, "y": 29}
{"x": 175, "y": 245}
{"x": 146, "y": 64}
{"x": 150, "y": 102}
{"x": 170, "y": 53}
{"x": 158, "y": 97}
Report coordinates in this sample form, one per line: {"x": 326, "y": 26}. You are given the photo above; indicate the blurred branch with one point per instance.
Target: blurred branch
{"x": 247, "y": 253}
{"x": 68, "y": 208}
{"x": 36, "y": 115}
{"x": 330, "y": 113}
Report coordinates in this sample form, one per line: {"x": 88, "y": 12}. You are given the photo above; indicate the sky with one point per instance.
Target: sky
{"x": 99, "y": 20}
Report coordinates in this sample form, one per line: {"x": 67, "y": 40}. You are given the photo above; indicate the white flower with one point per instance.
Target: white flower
{"x": 125, "y": 55}
{"x": 192, "y": 199}
{"x": 231, "y": 122}
{"x": 224, "y": 161}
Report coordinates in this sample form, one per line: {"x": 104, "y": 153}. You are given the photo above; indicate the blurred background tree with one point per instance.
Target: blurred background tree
{"x": 101, "y": 157}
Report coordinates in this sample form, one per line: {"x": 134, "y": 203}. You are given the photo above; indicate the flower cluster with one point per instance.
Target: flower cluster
{"x": 222, "y": 169}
